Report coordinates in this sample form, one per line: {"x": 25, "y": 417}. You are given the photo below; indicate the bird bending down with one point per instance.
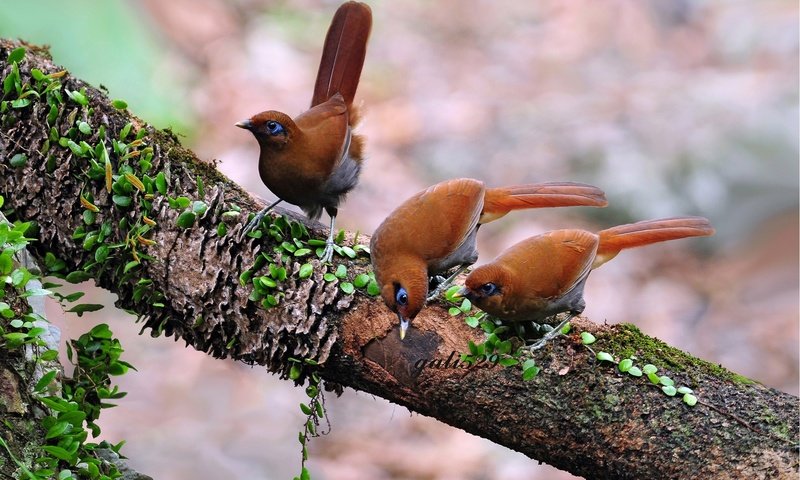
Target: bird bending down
{"x": 435, "y": 230}
{"x": 542, "y": 276}
{"x": 314, "y": 160}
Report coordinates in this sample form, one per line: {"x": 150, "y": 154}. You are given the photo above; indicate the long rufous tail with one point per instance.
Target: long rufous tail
{"x": 499, "y": 201}
{"x": 343, "y": 53}
{"x": 638, "y": 234}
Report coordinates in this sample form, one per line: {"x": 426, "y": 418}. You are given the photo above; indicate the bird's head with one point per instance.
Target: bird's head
{"x": 270, "y": 128}
{"x": 404, "y": 292}
{"x": 486, "y": 287}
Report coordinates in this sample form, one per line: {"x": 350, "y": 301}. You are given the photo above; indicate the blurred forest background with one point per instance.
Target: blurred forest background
{"x": 679, "y": 107}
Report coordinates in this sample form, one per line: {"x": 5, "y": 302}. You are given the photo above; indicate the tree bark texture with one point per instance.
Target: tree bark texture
{"x": 578, "y": 414}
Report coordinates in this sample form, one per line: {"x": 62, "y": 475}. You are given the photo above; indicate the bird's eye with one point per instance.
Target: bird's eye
{"x": 401, "y": 297}
{"x": 488, "y": 289}
{"x": 274, "y": 127}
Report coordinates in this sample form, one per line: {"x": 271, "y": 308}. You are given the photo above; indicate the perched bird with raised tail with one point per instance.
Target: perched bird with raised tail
{"x": 436, "y": 229}
{"x": 542, "y": 276}
{"x": 313, "y": 160}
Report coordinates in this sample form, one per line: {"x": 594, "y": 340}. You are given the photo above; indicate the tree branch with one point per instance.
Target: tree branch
{"x": 578, "y": 414}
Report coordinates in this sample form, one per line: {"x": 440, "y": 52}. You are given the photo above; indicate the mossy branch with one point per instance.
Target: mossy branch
{"x": 176, "y": 263}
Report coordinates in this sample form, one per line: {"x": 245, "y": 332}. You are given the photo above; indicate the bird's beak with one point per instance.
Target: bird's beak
{"x": 403, "y": 326}
{"x": 461, "y": 293}
{"x": 246, "y": 124}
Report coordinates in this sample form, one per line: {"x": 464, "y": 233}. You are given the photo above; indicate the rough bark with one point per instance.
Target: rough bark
{"x": 578, "y": 414}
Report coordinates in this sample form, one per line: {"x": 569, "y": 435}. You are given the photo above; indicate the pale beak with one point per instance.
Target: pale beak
{"x": 403, "y": 326}
{"x": 461, "y": 293}
{"x": 246, "y": 124}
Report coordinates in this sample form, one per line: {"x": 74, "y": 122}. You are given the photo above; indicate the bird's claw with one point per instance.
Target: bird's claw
{"x": 251, "y": 225}
{"x": 327, "y": 255}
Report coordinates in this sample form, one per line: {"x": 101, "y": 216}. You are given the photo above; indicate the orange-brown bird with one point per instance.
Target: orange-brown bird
{"x": 315, "y": 159}
{"x": 544, "y": 275}
{"x": 436, "y": 229}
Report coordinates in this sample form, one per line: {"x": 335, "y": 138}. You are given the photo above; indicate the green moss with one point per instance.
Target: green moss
{"x": 628, "y": 341}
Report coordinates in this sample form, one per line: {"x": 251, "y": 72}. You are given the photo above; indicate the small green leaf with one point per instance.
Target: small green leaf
{"x": 669, "y": 390}
{"x": 689, "y": 399}
{"x": 46, "y": 379}
{"x": 295, "y": 371}
{"x": 125, "y": 131}
{"x": 49, "y": 356}
{"x": 77, "y": 276}
{"x": 625, "y": 365}
{"x": 58, "y": 429}
{"x": 161, "y": 183}
{"x": 119, "y": 104}
{"x": 101, "y": 254}
{"x": 361, "y": 280}
{"x": 604, "y": 356}
{"x": 466, "y": 306}
{"x": 666, "y": 381}
{"x": 508, "y": 362}
{"x": 58, "y": 452}
{"x": 347, "y": 287}
{"x": 566, "y": 328}
{"x": 122, "y": 200}
{"x": 186, "y": 219}
{"x": 129, "y": 265}
{"x": 685, "y": 390}
{"x": 84, "y": 307}
{"x": 635, "y": 372}
{"x": 19, "y": 160}
{"x": 528, "y": 364}
{"x": 349, "y": 252}
{"x": 78, "y": 97}
{"x": 529, "y": 370}
{"x": 373, "y": 289}
{"x": 649, "y": 368}
{"x": 454, "y": 311}
{"x": 16, "y": 55}
{"x": 587, "y": 338}
{"x": 20, "y": 103}
{"x": 306, "y": 270}
{"x": 302, "y": 252}
{"x": 84, "y": 128}
{"x": 341, "y": 271}
{"x": 222, "y": 229}
{"x": 267, "y": 282}
{"x": 329, "y": 277}
{"x": 199, "y": 207}
{"x": 654, "y": 378}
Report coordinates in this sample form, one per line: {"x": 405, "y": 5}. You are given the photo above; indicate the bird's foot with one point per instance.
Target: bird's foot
{"x": 446, "y": 283}
{"x": 256, "y": 221}
{"x": 252, "y": 224}
{"x": 436, "y": 292}
{"x": 327, "y": 254}
{"x": 555, "y": 332}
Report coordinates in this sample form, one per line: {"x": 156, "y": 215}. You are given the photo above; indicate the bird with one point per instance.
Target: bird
{"x": 544, "y": 275}
{"x": 314, "y": 160}
{"x": 436, "y": 229}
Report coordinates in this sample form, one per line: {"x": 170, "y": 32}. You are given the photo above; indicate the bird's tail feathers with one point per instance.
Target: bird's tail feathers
{"x": 343, "y": 53}
{"x": 499, "y": 201}
{"x": 639, "y": 234}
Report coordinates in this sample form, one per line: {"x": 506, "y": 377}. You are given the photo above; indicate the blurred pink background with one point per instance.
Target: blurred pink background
{"x": 680, "y": 107}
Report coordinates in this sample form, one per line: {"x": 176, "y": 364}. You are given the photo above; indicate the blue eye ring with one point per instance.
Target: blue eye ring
{"x": 274, "y": 128}
{"x": 488, "y": 289}
{"x": 401, "y": 297}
